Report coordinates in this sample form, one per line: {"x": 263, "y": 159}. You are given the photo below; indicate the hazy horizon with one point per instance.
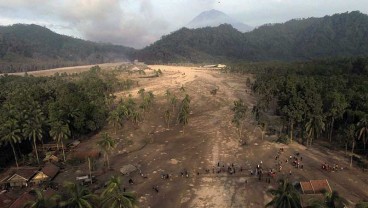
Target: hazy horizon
{"x": 138, "y": 23}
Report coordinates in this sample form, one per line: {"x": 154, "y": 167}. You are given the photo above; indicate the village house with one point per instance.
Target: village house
{"x": 313, "y": 190}
{"x": 21, "y": 177}
{"x": 47, "y": 173}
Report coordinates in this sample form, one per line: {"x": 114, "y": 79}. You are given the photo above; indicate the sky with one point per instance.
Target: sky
{"x": 138, "y": 23}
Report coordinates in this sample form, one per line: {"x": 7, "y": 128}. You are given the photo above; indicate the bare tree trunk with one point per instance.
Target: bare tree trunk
{"x": 15, "y": 154}
{"x": 35, "y": 148}
{"x": 62, "y": 147}
{"x": 346, "y": 148}
{"x": 291, "y": 131}
{"x": 331, "y": 128}
{"x": 90, "y": 168}
{"x": 108, "y": 161}
{"x": 352, "y": 152}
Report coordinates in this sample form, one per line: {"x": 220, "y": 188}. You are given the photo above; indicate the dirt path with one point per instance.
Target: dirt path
{"x": 209, "y": 140}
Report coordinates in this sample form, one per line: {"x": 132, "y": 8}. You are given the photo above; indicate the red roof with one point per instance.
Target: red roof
{"x": 315, "y": 186}
{"x": 50, "y": 170}
{"x": 6, "y": 199}
{"x": 26, "y": 197}
{"x": 25, "y": 172}
{"x": 22, "y": 200}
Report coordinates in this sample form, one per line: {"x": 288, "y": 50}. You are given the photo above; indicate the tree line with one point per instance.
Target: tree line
{"x": 35, "y": 110}
{"x": 315, "y": 99}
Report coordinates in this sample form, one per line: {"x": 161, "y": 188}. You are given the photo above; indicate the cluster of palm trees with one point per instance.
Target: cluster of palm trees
{"x": 77, "y": 196}
{"x": 31, "y": 125}
{"x": 240, "y": 113}
{"x": 107, "y": 145}
{"x": 124, "y": 111}
{"x": 311, "y": 106}
{"x": 128, "y": 110}
{"x": 184, "y": 111}
{"x": 286, "y": 196}
{"x": 172, "y": 101}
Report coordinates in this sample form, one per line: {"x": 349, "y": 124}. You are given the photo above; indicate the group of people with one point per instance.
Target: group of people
{"x": 327, "y": 167}
{"x": 295, "y": 161}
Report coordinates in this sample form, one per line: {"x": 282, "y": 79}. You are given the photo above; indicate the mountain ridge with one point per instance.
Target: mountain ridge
{"x": 214, "y": 18}
{"x": 26, "y": 47}
{"x": 341, "y": 35}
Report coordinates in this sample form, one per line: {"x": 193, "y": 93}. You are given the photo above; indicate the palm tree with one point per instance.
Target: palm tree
{"x": 33, "y": 127}
{"x": 42, "y": 201}
{"x": 167, "y": 117}
{"x": 113, "y": 196}
{"x": 168, "y": 95}
{"x": 285, "y": 196}
{"x": 362, "y": 205}
{"x": 118, "y": 199}
{"x": 314, "y": 128}
{"x": 350, "y": 133}
{"x": 10, "y": 134}
{"x": 262, "y": 127}
{"x": 78, "y": 196}
{"x": 331, "y": 200}
{"x": 363, "y": 130}
{"x": 240, "y": 110}
{"x": 113, "y": 184}
{"x": 173, "y": 102}
{"x": 136, "y": 117}
{"x": 115, "y": 120}
{"x": 184, "y": 111}
{"x": 33, "y": 130}
{"x": 141, "y": 92}
{"x": 107, "y": 144}
{"x": 59, "y": 132}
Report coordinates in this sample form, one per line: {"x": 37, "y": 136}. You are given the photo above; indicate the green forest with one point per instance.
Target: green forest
{"x": 314, "y": 100}
{"x": 36, "y": 110}
{"x": 339, "y": 35}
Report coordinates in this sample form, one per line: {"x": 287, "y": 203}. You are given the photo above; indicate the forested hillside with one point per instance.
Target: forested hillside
{"x": 299, "y": 39}
{"x": 32, "y": 47}
{"x": 315, "y": 99}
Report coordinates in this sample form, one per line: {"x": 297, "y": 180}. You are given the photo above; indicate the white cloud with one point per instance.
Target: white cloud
{"x": 138, "y": 23}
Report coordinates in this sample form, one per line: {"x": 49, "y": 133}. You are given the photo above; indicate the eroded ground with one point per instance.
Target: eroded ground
{"x": 209, "y": 138}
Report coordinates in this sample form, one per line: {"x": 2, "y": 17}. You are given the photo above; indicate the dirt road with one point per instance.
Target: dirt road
{"x": 210, "y": 140}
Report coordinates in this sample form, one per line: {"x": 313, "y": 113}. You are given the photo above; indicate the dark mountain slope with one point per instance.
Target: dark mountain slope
{"x": 32, "y": 47}
{"x": 300, "y": 39}
{"x": 214, "y": 18}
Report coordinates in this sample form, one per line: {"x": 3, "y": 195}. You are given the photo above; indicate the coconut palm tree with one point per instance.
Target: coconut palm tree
{"x": 240, "y": 110}
{"x": 167, "y": 117}
{"x": 78, "y": 196}
{"x": 115, "y": 120}
{"x": 350, "y": 134}
{"x": 60, "y": 131}
{"x": 42, "y": 201}
{"x": 11, "y": 134}
{"x": 114, "y": 197}
{"x": 361, "y": 205}
{"x": 107, "y": 144}
{"x": 262, "y": 127}
{"x": 363, "y": 130}
{"x": 331, "y": 200}
{"x": 141, "y": 92}
{"x": 173, "y": 102}
{"x": 184, "y": 111}
{"x": 314, "y": 127}
{"x": 285, "y": 196}
{"x": 34, "y": 131}
{"x": 118, "y": 199}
